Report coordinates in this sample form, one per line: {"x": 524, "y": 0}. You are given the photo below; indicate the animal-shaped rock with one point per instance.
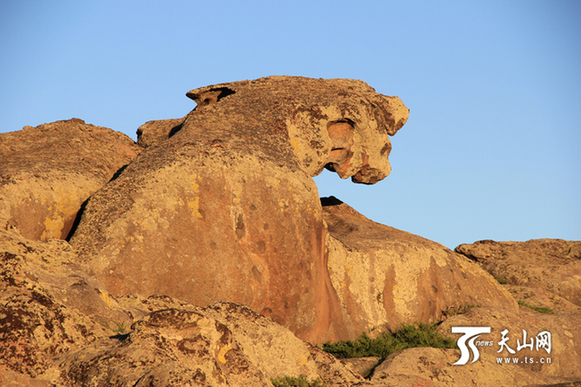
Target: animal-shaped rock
{"x": 222, "y": 207}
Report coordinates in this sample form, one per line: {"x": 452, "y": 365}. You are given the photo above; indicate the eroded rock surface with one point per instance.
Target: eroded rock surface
{"x": 316, "y": 119}
{"x": 553, "y": 265}
{"x": 47, "y": 307}
{"x": 47, "y": 172}
{"x": 170, "y": 347}
{"x": 225, "y": 208}
{"x": 220, "y": 206}
{"x": 153, "y": 132}
{"x": 384, "y": 276}
{"x": 60, "y": 327}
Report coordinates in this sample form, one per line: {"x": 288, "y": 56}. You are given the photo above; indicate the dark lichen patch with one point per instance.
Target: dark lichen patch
{"x": 196, "y": 346}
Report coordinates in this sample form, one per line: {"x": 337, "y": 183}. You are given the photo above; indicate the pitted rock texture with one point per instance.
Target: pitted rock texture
{"x": 221, "y": 206}
{"x": 47, "y": 307}
{"x": 56, "y": 322}
{"x": 222, "y": 345}
{"x": 553, "y": 265}
{"x": 264, "y": 341}
{"x": 384, "y": 276}
{"x": 225, "y": 208}
{"x": 170, "y": 347}
{"x": 294, "y": 115}
{"x": 276, "y": 350}
{"x": 59, "y": 327}
{"x": 194, "y": 230}
{"x": 47, "y": 172}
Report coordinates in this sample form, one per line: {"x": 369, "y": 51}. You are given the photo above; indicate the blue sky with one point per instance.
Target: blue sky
{"x": 492, "y": 149}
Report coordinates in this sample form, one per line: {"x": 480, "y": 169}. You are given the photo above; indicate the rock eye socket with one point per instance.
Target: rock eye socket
{"x": 341, "y": 134}
{"x": 211, "y": 96}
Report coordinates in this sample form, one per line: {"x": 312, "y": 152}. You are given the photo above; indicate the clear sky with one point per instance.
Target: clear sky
{"x": 492, "y": 148}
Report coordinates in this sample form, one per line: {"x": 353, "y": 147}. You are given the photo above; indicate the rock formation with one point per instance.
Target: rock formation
{"x": 47, "y": 172}
{"x": 60, "y": 327}
{"x": 224, "y": 208}
{"x": 210, "y": 259}
{"x": 384, "y": 276}
{"x": 565, "y": 352}
{"x": 433, "y": 367}
{"x": 552, "y": 265}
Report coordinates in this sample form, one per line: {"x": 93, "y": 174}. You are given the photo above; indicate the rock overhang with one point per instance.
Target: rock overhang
{"x": 339, "y": 124}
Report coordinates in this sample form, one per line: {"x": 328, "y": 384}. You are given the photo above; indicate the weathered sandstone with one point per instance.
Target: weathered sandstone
{"x": 385, "y": 277}
{"x": 541, "y": 298}
{"x": 156, "y": 131}
{"x": 174, "y": 347}
{"x": 47, "y": 307}
{"x": 434, "y": 367}
{"x": 211, "y": 260}
{"x": 47, "y": 172}
{"x": 550, "y": 264}
{"x": 60, "y": 327}
{"x": 224, "y": 209}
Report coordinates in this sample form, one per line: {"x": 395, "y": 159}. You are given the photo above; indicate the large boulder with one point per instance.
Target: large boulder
{"x": 156, "y": 131}
{"x": 59, "y": 327}
{"x": 222, "y": 345}
{"x": 386, "y": 277}
{"x": 552, "y": 265}
{"x": 223, "y": 207}
{"x": 47, "y": 172}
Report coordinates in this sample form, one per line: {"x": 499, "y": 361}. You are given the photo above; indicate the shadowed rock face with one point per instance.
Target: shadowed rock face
{"x": 222, "y": 206}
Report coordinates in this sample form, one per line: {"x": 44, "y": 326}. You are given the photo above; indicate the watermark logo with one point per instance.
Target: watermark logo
{"x": 470, "y": 335}
{"x": 468, "y": 344}
{"x": 543, "y": 340}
